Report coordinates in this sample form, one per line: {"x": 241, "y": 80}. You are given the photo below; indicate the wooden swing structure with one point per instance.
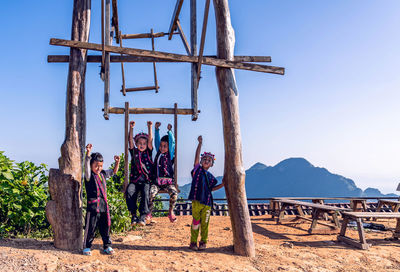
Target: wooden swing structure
{"x": 224, "y": 61}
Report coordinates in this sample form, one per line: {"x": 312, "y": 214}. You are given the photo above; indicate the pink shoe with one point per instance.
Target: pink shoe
{"x": 172, "y": 218}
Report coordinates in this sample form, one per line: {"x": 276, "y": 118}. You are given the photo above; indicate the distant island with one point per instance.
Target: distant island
{"x": 295, "y": 177}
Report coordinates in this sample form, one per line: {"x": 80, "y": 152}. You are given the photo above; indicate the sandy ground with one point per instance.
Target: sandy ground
{"x": 164, "y": 247}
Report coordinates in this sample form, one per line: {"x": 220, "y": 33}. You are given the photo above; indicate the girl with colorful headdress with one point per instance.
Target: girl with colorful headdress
{"x": 163, "y": 170}
{"x": 141, "y": 173}
{"x": 203, "y": 184}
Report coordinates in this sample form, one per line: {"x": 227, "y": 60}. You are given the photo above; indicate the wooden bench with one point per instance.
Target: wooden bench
{"x": 317, "y": 210}
{"x": 394, "y": 205}
{"x": 358, "y": 216}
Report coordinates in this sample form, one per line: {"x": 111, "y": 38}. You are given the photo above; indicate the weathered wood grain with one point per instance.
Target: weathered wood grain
{"x": 234, "y": 175}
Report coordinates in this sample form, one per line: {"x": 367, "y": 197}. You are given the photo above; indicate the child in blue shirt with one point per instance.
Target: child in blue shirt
{"x": 203, "y": 183}
{"x": 164, "y": 171}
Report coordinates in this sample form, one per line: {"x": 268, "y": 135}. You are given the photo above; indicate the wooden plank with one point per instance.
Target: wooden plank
{"x": 318, "y": 222}
{"x": 107, "y": 60}
{"x": 193, "y": 45}
{"x": 183, "y": 37}
{"x": 115, "y": 20}
{"x": 371, "y": 214}
{"x": 116, "y": 110}
{"x": 175, "y": 17}
{"x": 122, "y": 71}
{"x": 126, "y": 155}
{"x": 154, "y": 63}
{"x": 102, "y": 36}
{"x": 145, "y": 35}
{"x": 138, "y": 89}
{"x": 312, "y": 205}
{"x": 203, "y": 39}
{"x": 148, "y": 53}
{"x": 353, "y": 242}
{"x": 123, "y": 58}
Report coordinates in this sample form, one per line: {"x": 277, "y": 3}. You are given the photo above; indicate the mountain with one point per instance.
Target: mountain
{"x": 295, "y": 177}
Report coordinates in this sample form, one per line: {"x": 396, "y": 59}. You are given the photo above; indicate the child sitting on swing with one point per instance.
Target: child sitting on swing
{"x": 97, "y": 211}
{"x": 203, "y": 183}
{"x": 141, "y": 173}
{"x": 164, "y": 171}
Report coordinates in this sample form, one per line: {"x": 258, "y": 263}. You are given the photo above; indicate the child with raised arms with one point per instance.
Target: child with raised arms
{"x": 203, "y": 184}
{"x": 141, "y": 173}
{"x": 163, "y": 170}
{"x": 97, "y": 211}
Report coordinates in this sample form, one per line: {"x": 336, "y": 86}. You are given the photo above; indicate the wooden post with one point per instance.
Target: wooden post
{"x": 203, "y": 39}
{"x": 176, "y": 144}
{"x": 126, "y": 155}
{"x": 122, "y": 69}
{"x": 193, "y": 44}
{"x": 154, "y": 64}
{"x": 63, "y": 211}
{"x": 234, "y": 175}
{"x": 107, "y": 60}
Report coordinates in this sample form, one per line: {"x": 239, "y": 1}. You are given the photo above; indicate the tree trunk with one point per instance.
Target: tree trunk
{"x": 64, "y": 210}
{"x": 234, "y": 175}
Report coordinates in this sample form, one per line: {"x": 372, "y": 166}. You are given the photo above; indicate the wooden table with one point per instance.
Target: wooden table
{"x": 358, "y": 216}
{"x": 317, "y": 210}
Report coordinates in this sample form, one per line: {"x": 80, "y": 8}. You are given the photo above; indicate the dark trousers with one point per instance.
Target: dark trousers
{"x": 94, "y": 220}
{"x": 132, "y": 193}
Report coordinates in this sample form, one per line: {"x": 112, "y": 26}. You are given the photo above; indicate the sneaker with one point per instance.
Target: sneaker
{"x": 193, "y": 246}
{"x": 142, "y": 220}
{"x": 134, "y": 220}
{"x": 202, "y": 245}
{"x": 87, "y": 252}
{"x": 109, "y": 251}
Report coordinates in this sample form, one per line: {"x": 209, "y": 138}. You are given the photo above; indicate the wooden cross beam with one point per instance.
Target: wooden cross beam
{"x": 115, "y": 20}
{"x": 117, "y": 59}
{"x": 146, "y": 35}
{"x": 183, "y": 37}
{"x": 116, "y": 110}
{"x": 175, "y": 17}
{"x": 163, "y": 55}
{"x": 203, "y": 39}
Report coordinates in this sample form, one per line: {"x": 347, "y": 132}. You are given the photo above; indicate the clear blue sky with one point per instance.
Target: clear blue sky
{"x": 337, "y": 105}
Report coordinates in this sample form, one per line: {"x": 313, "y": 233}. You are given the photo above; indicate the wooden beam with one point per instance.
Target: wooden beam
{"x": 203, "y": 39}
{"x": 107, "y": 59}
{"x": 154, "y": 63}
{"x": 184, "y": 58}
{"x": 175, "y": 17}
{"x": 234, "y": 174}
{"x": 176, "y": 145}
{"x": 122, "y": 58}
{"x": 145, "y": 35}
{"x": 193, "y": 44}
{"x": 102, "y": 39}
{"x": 126, "y": 155}
{"x": 152, "y": 111}
{"x": 138, "y": 89}
{"x": 183, "y": 37}
{"x": 115, "y": 20}
{"x": 122, "y": 70}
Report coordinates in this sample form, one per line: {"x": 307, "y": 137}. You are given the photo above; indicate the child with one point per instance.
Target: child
{"x": 141, "y": 173}
{"x": 203, "y": 183}
{"x": 97, "y": 211}
{"x": 164, "y": 171}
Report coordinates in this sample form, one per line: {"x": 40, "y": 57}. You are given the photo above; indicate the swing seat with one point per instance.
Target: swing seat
{"x": 138, "y": 89}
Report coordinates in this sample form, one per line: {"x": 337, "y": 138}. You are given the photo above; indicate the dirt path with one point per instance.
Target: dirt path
{"x": 163, "y": 247}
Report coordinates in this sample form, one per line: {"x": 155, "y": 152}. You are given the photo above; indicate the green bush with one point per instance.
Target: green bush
{"x": 23, "y": 198}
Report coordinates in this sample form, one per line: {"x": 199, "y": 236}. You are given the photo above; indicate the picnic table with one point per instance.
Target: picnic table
{"x": 317, "y": 210}
{"x": 358, "y": 216}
